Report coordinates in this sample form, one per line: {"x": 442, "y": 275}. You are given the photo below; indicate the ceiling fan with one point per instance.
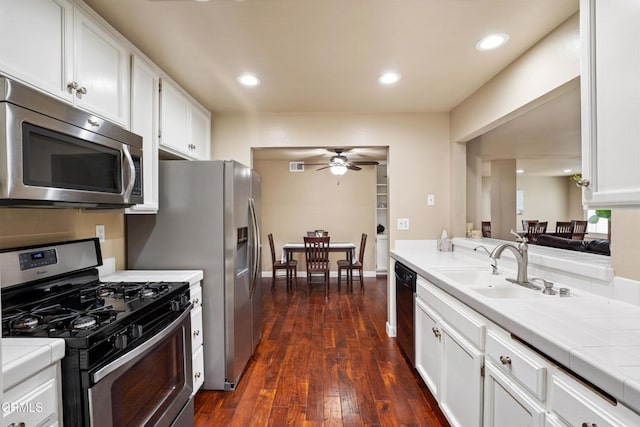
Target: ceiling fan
{"x": 339, "y": 164}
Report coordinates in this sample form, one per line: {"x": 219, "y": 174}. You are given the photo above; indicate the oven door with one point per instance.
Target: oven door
{"x": 52, "y": 162}
{"x": 150, "y": 385}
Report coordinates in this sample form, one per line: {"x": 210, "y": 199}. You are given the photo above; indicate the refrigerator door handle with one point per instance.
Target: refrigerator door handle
{"x": 256, "y": 246}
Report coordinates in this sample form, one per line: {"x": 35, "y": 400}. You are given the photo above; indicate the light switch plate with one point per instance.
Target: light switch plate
{"x": 100, "y": 233}
{"x": 403, "y": 223}
{"x": 431, "y": 200}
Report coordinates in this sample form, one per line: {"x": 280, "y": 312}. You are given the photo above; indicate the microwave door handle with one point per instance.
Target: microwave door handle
{"x": 132, "y": 174}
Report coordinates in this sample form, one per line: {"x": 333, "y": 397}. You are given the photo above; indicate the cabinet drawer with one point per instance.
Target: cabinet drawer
{"x": 38, "y": 407}
{"x": 519, "y": 363}
{"x": 462, "y": 318}
{"x": 198, "y": 369}
{"x": 196, "y": 295}
{"x": 196, "y": 328}
{"x": 579, "y": 406}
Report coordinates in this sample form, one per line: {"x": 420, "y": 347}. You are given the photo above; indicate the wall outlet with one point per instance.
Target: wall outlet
{"x": 431, "y": 200}
{"x": 403, "y": 223}
{"x": 100, "y": 233}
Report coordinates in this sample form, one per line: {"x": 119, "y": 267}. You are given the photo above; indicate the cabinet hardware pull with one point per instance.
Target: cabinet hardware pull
{"x": 589, "y": 425}
{"x": 505, "y": 360}
{"x": 82, "y": 90}
{"x": 72, "y": 86}
{"x": 197, "y": 374}
{"x": 436, "y": 332}
{"x": 93, "y": 122}
{"x": 196, "y": 333}
{"x": 17, "y": 425}
{"x": 196, "y": 301}
{"x": 583, "y": 183}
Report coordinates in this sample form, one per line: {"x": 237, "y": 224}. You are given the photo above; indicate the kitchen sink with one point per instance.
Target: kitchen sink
{"x": 507, "y": 291}
{"x": 478, "y": 277}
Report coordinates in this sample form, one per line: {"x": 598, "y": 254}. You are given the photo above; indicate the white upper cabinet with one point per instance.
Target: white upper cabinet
{"x": 35, "y": 43}
{"x": 56, "y": 47}
{"x": 101, "y": 78}
{"x": 185, "y": 126}
{"x": 145, "y": 111}
{"x": 610, "y": 38}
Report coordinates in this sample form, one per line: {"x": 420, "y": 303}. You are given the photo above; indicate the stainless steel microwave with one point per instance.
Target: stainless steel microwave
{"x": 53, "y": 154}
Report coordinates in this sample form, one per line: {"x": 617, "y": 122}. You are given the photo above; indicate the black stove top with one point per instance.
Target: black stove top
{"x": 84, "y": 310}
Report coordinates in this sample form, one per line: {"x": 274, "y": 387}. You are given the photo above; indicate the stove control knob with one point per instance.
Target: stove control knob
{"x": 175, "y": 305}
{"x": 120, "y": 341}
{"x": 135, "y": 331}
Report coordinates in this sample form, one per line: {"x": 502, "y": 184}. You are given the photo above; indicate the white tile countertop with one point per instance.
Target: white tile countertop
{"x": 596, "y": 337}
{"x": 24, "y": 357}
{"x": 191, "y": 276}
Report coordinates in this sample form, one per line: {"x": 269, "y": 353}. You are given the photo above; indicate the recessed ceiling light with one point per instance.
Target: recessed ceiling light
{"x": 492, "y": 41}
{"x": 249, "y": 80}
{"x": 520, "y": 171}
{"x": 389, "y": 78}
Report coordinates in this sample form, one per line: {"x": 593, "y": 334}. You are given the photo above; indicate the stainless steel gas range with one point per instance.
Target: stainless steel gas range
{"x": 128, "y": 349}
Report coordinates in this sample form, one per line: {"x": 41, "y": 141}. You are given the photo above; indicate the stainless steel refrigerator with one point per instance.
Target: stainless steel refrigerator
{"x": 209, "y": 219}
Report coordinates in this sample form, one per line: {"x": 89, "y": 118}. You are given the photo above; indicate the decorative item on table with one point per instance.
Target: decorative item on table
{"x": 468, "y": 229}
{"x": 444, "y": 244}
{"x": 380, "y": 229}
{"x": 320, "y": 233}
{"x": 476, "y": 234}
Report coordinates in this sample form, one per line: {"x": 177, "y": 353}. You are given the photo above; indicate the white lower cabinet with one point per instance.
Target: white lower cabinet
{"x": 481, "y": 374}
{"x": 506, "y": 404}
{"x": 578, "y": 405}
{"x": 460, "y": 379}
{"x": 197, "y": 360}
{"x": 447, "y": 361}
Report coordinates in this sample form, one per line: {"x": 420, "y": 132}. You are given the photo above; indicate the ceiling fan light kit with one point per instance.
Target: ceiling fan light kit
{"x": 339, "y": 164}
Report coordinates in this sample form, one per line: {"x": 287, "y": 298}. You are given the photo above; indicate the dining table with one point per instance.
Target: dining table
{"x": 288, "y": 249}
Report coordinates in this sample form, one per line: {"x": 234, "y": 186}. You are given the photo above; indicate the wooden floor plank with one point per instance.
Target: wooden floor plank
{"x": 324, "y": 361}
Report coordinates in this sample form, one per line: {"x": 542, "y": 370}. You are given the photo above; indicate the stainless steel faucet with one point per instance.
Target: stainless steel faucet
{"x": 494, "y": 262}
{"x": 521, "y": 252}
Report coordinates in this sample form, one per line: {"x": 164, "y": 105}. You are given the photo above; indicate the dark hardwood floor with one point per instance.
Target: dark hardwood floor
{"x": 324, "y": 362}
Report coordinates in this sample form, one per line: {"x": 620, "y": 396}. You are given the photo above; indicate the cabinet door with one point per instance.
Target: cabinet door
{"x": 506, "y": 404}
{"x": 174, "y": 119}
{"x": 610, "y": 38}
{"x": 35, "y": 43}
{"x": 427, "y": 334}
{"x": 460, "y": 380}
{"x": 145, "y": 110}
{"x": 101, "y": 71}
{"x": 200, "y": 133}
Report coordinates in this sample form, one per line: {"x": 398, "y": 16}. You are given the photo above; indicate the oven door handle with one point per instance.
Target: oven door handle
{"x": 121, "y": 361}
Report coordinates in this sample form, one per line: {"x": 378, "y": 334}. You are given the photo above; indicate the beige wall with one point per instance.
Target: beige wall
{"x": 22, "y": 227}
{"x": 417, "y": 157}
{"x": 540, "y": 73}
{"x": 296, "y": 202}
{"x": 549, "y": 198}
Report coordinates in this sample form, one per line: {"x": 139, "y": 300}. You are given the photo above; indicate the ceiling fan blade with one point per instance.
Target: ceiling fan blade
{"x": 326, "y": 167}
{"x": 366, "y": 163}
{"x": 353, "y": 167}
{"x": 315, "y": 164}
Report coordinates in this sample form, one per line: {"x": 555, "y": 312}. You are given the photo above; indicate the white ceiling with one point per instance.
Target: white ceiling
{"x": 325, "y": 55}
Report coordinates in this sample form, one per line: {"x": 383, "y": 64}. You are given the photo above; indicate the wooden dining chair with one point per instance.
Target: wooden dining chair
{"x": 564, "y": 229}
{"x": 579, "y": 229}
{"x": 316, "y": 251}
{"x": 349, "y": 266}
{"x": 526, "y": 222}
{"x": 486, "y": 228}
{"x": 290, "y": 266}
{"x": 535, "y": 230}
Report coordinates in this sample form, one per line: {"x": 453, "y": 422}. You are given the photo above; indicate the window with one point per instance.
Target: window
{"x": 601, "y": 227}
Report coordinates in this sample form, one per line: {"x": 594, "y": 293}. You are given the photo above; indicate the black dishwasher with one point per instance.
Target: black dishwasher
{"x": 405, "y": 294}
